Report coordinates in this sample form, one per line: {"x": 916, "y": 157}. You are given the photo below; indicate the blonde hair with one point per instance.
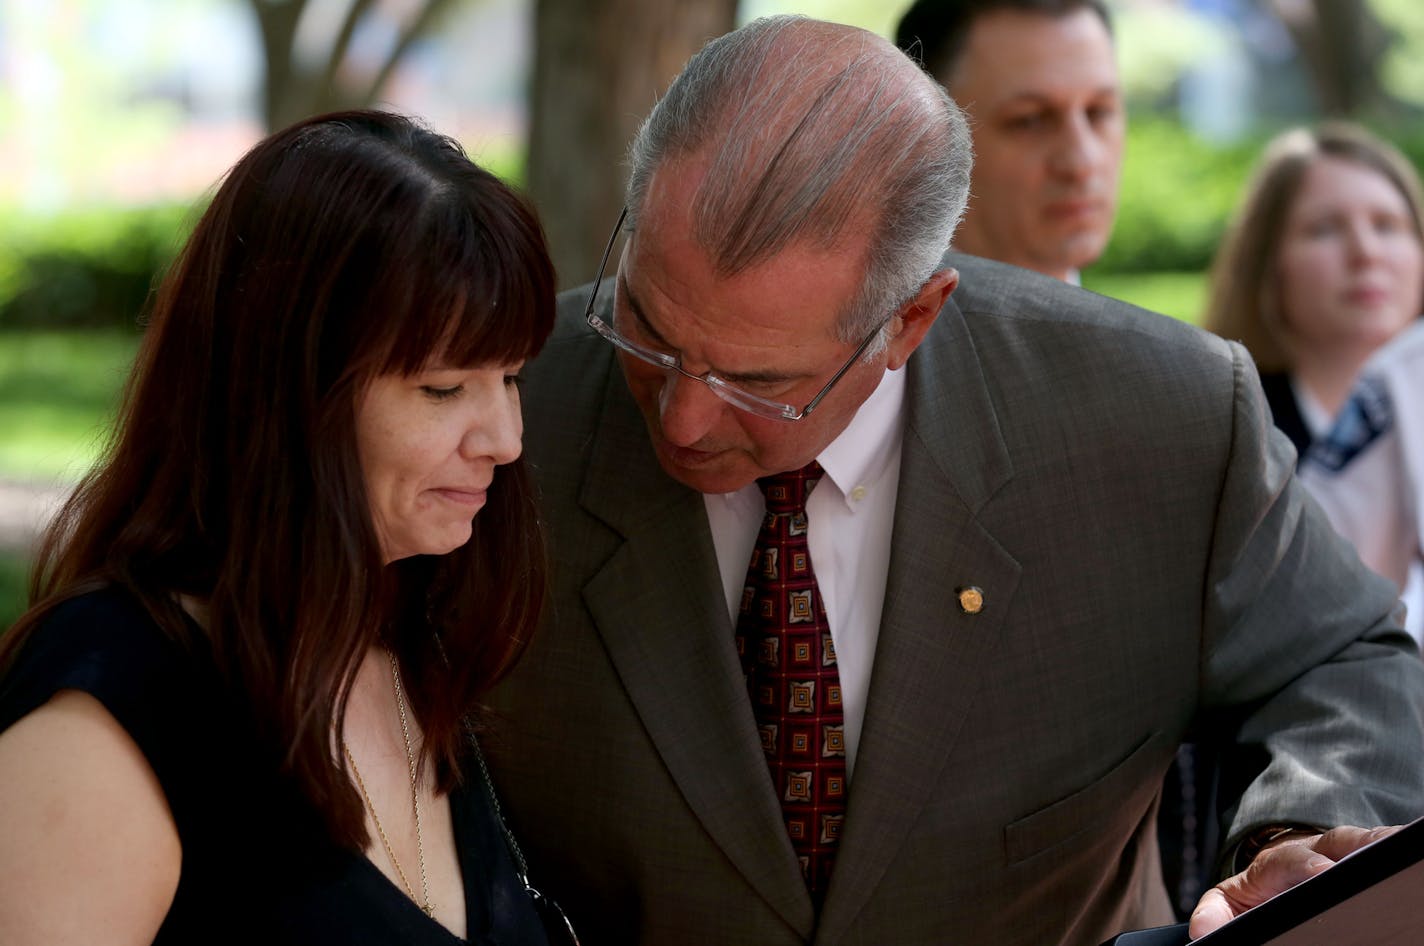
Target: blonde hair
{"x": 1243, "y": 301}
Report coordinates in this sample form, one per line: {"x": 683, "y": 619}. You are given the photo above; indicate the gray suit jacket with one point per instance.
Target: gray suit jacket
{"x": 1109, "y": 479}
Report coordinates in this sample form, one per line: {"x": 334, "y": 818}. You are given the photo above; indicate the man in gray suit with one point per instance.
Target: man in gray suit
{"x": 1038, "y": 83}
{"x": 1052, "y": 532}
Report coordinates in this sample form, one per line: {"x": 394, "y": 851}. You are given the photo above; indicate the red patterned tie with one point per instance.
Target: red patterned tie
{"x": 785, "y": 644}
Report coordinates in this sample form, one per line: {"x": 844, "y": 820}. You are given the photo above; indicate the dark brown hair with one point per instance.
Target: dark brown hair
{"x": 934, "y": 32}
{"x": 345, "y": 247}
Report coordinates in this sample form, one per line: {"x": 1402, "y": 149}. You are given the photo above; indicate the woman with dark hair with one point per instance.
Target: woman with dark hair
{"x": 237, "y": 709}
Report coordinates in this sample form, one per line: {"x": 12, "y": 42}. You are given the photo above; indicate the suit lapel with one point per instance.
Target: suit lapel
{"x": 659, "y": 607}
{"x": 930, "y": 651}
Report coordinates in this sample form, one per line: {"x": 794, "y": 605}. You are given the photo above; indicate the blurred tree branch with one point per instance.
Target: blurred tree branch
{"x": 293, "y": 89}
{"x": 1343, "y": 45}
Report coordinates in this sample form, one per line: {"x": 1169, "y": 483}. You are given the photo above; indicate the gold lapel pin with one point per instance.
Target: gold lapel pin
{"x": 971, "y": 599}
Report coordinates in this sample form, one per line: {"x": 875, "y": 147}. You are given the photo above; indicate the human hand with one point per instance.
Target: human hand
{"x": 1278, "y": 867}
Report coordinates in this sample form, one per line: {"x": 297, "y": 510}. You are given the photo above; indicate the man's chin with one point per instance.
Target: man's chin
{"x": 702, "y": 470}
{"x": 1083, "y": 248}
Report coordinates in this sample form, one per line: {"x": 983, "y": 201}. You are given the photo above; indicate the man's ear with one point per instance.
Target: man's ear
{"x": 917, "y": 315}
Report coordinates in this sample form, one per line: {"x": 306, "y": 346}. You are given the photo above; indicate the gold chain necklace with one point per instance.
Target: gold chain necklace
{"x": 414, "y": 798}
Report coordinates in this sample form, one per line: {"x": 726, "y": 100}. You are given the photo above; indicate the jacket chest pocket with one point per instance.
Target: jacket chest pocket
{"x": 1121, "y": 795}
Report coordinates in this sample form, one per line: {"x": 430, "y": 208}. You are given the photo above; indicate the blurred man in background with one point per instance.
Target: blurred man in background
{"x": 1038, "y": 80}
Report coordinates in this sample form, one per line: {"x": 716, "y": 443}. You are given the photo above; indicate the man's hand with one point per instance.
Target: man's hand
{"x": 1277, "y": 868}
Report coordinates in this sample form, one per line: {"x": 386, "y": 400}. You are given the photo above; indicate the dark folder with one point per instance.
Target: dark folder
{"x": 1370, "y": 898}
{"x": 1157, "y": 936}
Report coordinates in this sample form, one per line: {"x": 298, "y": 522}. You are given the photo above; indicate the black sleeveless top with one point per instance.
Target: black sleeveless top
{"x": 258, "y": 865}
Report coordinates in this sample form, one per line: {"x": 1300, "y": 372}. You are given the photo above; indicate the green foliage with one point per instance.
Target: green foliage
{"x": 877, "y": 16}
{"x": 14, "y": 580}
{"x": 1180, "y": 295}
{"x": 501, "y": 156}
{"x": 92, "y": 267}
{"x": 1178, "y": 193}
{"x": 1155, "y": 42}
{"x": 1408, "y": 139}
{"x": 1402, "y": 72}
{"x": 97, "y": 267}
{"x": 58, "y": 391}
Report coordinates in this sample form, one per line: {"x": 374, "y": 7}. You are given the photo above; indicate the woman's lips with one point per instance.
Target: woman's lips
{"x": 1367, "y": 295}
{"x": 461, "y": 496}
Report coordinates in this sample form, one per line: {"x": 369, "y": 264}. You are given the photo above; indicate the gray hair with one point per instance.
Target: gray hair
{"x": 814, "y": 132}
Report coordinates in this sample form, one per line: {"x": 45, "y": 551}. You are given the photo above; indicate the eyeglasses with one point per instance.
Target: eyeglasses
{"x": 733, "y": 395}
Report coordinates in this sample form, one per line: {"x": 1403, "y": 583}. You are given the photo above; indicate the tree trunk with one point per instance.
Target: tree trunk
{"x": 1342, "y": 44}
{"x": 278, "y": 25}
{"x": 293, "y": 90}
{"x": 599, "y": 67}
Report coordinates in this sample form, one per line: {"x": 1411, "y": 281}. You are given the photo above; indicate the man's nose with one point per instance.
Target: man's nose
{"x": 1079, "y": 148}
{"x": 687, "y": 408}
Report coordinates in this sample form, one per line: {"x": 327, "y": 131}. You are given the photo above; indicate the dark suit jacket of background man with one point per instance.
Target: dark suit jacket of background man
{"x": 1108, "y": 478}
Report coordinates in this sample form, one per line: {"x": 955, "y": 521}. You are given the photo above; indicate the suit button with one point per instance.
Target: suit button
{"x": 971, "y": 599}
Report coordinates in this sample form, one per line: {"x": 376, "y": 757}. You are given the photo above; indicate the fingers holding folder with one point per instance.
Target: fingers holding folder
{"x": 1346, "y": 887}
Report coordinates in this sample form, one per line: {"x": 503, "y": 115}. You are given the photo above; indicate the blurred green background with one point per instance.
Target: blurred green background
{"x": 116, "y": 116}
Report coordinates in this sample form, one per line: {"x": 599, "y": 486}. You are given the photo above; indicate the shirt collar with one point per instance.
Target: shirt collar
{"x": 863, "y": 451}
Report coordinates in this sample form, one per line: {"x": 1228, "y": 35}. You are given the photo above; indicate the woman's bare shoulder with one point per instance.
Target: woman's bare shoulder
{"x": 88, "y": 848}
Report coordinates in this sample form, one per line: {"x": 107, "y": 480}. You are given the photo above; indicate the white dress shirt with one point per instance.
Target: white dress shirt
{"x": 850, "y": 515}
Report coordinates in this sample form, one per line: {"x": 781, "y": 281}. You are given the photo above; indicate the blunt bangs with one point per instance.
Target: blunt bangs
{"x": 474, "y": 283}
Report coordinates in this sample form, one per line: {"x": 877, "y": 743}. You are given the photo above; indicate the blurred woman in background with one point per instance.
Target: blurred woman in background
{"x": 1323, "y": 265}
{"x": 1367, "y": 472}
{"x": 236, "y": 710}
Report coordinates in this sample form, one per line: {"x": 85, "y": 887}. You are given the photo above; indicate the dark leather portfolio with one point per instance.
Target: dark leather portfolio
{"x": 1374, "y": 897}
